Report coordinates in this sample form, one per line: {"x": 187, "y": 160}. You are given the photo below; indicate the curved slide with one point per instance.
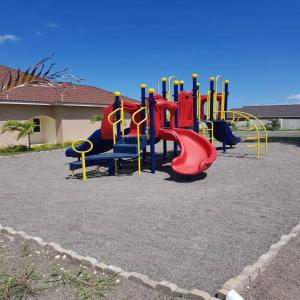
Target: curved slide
{"x": 223, "y": 133}
{"x": 196, "y": 152}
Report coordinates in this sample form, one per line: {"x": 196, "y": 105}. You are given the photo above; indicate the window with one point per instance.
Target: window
{"x": 37, "y": 125}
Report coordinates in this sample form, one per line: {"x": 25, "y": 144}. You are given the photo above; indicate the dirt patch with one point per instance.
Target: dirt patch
{"x": 28, "y": 271}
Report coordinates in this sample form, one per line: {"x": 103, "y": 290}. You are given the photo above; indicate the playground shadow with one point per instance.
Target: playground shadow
{"x": 220, "y": 148}
{"x": 180, "y": 178}
{"x": 103, "y": 172}
{"x": 164, "y": 165}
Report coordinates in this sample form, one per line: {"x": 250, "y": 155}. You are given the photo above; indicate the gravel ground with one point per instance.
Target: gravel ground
{"x": 281, "y": 280}
{"x": 195, "y": 232}
{"x": 18, "y": 257}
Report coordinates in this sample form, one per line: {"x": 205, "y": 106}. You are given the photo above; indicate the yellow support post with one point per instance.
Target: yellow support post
{"x": 138, "y": 124}
{"x": 114, "y": 123}
{"x": 82, "y": 155}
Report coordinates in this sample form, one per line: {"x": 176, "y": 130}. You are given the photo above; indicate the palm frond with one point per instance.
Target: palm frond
{"x": 34, "y": 76}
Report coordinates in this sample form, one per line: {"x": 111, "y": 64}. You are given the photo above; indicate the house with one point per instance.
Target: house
{"x": 288, "y": 115}
{"x": 59, "y": 116}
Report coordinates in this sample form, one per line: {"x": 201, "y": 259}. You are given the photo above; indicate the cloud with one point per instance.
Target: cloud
{"x": 294, "y": 97}
{"x": 52, "y": 25}
{"x": 8, "y": 38}
{"x": 38, "y": 34}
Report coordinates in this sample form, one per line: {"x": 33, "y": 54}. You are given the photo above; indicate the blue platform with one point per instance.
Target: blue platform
{"x": 125, "y": 148}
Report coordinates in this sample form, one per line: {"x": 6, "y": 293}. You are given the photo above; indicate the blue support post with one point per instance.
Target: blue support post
{"x": 212, "y": 93}
{"x": 152, "y": 130}
{"x": 195, "y": 102}
{"x": 211, "y": 106}
{"x": 118, "y": 114}
{"x": 143, "y": 114}
{"x": 226, "y": 90}
{"x": 164, "y": 95}
{"x": 176, "y": 83}
{"x": 181, "y": 85}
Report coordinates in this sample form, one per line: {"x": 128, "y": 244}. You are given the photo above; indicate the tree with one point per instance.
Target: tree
{"x": 273, "y": 124}
{"x": 96, "y": 118}
{"x": 24, "y": 129}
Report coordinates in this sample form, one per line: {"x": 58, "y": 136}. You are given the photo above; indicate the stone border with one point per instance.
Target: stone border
{"x": 163, "y": 286}
{"x": 252, "y": 272}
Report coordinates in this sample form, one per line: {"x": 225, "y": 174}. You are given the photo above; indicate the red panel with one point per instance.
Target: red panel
{"x": 106, "y": 127}
{"x": 185, "y": 109}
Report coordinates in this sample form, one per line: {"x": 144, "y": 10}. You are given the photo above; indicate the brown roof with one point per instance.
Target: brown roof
{"x": 74, "y": 94}
{"x": 272, "y": 111}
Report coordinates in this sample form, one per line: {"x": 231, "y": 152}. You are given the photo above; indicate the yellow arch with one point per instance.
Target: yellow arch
{"x": 261, "y": 124}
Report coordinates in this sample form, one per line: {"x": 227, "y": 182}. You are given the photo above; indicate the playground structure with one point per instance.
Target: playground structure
{"x": 156, "y": 118}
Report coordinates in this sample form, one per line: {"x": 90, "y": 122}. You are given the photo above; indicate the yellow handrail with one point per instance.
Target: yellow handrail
{"x": 208, "y": 104}
{"x": 83, "y": 155}
{"x": 121, "y": 110}
{"x": 138, "y": 124}
{"x": 263, "y": 127}
{"x": 223, "y": 105}
{"x": 169, "y": 86}
{"x": 199, "y": 104}
{"x": 222, "y": 98}
{"x": 257, "y": 146}
{"x": 121, "y": 120}
{"x": 216, "y": 96}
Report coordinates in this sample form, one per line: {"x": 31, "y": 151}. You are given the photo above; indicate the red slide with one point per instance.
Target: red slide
{"x": 196, "y": 153}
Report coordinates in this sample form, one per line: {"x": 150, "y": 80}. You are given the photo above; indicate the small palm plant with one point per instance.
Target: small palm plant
{"x": 24, "y": 129}
{"x": 96, "y": 118}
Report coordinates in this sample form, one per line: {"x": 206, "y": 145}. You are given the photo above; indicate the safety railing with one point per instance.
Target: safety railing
{"x": 208, "y": 104}
{"x": 199, "y": 100}
{"x": 138, "y": 125}
{"x": 115, "y": 123}
{"x": 208, "y": 130}
{"x": 262, "y": 125}
{"x": 83, "y": 152}
{"x": 222, "y": 106}
{"x": 254, "y": 126}
{"x": 169, "y": 86}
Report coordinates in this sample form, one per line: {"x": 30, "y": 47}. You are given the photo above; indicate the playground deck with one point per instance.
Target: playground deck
{"x": 196, "y": 233}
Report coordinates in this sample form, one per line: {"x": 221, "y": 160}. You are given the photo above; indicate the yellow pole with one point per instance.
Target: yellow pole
{"x": 83, "y": 165}
{"x": 122, "y": 117}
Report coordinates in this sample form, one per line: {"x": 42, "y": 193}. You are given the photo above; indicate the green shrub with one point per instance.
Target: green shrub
{"x": 14, "y": 149}
{"x": 273, "y": 125}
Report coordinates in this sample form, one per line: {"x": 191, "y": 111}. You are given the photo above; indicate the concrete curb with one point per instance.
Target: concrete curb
{"x": 165, "y": 287}
{"x": 252, "y": 272}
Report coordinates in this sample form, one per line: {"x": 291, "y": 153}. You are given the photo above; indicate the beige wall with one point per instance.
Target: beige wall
{"x": 58, "y": 123}
{"x": 47, "y": 134}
